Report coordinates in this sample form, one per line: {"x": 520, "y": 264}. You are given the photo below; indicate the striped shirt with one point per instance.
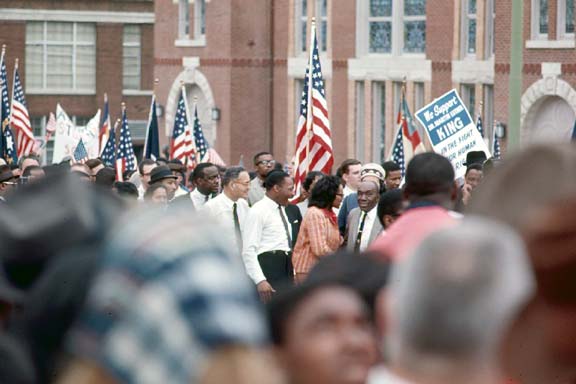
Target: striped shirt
{"x": 318, "y": 237}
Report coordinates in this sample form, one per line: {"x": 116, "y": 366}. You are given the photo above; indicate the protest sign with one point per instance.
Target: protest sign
{"x": 451, "y": 130}
{"x": 67, "y": 136}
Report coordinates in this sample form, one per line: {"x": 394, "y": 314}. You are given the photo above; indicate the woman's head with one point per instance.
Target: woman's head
{"x": 156, "y": 194}
{"x": 326, "y": 193}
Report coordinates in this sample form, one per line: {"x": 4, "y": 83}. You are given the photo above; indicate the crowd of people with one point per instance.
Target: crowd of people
{"x": 224, "y": 275}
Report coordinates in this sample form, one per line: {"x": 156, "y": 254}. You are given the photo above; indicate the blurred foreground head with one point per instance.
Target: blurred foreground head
{"x": 169, "y": 305}
{"x": 452, "y": 300}
{"x": 535, "y": 192}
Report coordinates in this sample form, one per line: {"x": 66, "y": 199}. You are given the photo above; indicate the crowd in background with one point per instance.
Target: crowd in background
{"x": 228, "y": 275}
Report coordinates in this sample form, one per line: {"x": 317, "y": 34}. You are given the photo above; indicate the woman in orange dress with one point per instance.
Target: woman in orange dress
{"x": 319, "y": 233}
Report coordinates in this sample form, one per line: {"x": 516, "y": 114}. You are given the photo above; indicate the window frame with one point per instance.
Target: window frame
{"x": 199, "y": 19}
{"x": 535, "y": 21}
{"x": 467, "y": 17}
{"x": 184, "y": 26}
{"x": 490, "y": 17}
{"x": 398, "y": 20}
{"x": 139, "y": 57}
{"x": 561, "y": 33}
{"x": 45, "y": 43}
{"x": 360, "y": 107}
{"x": 301, "y": 21}
{"x": 379, "y": 121}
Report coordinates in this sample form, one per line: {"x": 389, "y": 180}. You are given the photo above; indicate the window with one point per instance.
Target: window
{"x": 396, "y": 27}
{"x": 419, "y": 96}
{"x": 397, "y": 95}
{"x": 60, "y": 57}
{"x": 540, "y": 19}
{"x": 490, "y": 16}
{"x": 468, "y": 93}
{"x": 565, "y": 20}
{"x": 378, "y": 121}
{"x": 360, "y": 136}
{"x": 199, "y": 18}
{"x": 488, "y": 119}
{"x": 321, "y": 14}
{"x": 469, "y": 28}
{"x": 131, "y": 57}
{"x": 184, "y": 19}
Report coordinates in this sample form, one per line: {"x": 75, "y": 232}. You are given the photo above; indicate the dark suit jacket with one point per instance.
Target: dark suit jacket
{"x": 295, "y": 219}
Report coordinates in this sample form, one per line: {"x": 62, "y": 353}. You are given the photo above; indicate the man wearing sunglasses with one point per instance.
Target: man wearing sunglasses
{"x": 264, "y": 163}
{"x": 8, "y": 182}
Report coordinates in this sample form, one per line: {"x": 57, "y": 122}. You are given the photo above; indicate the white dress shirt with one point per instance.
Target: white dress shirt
{"x": 382, "y": 375}
{"x": 198, "y": 199}
{"x": 367, "y": 230}
{"x": 263, "y": 232}
{"x": 222, "y": 209}
{"x": 257, "y": 191}
{"x": 347, "y": 190}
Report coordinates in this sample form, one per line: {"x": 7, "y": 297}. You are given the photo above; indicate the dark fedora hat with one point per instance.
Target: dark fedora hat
{"x": 161, "y": 172}
{"x": 6, "y": 176}
{"x": 475, "y": 157}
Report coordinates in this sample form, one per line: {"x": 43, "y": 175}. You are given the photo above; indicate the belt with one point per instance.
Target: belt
{"x": 277, "y": 252}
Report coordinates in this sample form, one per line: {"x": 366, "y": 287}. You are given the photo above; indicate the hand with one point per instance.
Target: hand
{"x": 265, "y": 290}
{"x": 466, "y": 193}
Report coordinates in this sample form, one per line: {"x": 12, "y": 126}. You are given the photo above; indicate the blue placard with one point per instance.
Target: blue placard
{"x": 444, "y": 118}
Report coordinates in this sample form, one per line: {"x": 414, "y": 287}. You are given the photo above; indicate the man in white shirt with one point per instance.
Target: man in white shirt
{"x": 267, "y": 237}
{"x": 207, "y": 180}
{"x": 230, "y": 208}
{"x": 264, "y": 163}
{"x": 349, "y": 172}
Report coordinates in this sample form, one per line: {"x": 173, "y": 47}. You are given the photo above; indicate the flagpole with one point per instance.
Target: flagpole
{"x": 13, "y": 84}
{"x": 152, "y": 105}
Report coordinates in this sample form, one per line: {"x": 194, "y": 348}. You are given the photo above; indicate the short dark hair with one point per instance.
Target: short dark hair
{"x": 127, "y": 189}
{"x": 475, "y": 166}
{"x": 106, "y": 177}
{"x": 152, "y": 188}
{"x": 324, "y": 192}
{"x": 198, "y": 172}
{"x": 310, "y": 177}
{"x": 256, "y": 156}
{"x": 429, "y": 173}
{"x": 143, "y": 163}
{"x": 231, "y": 173}
{"x": 345, "y": 166}
{"x": 389, "y": 204}
{"x": 93, "y": 163}
{"x": 26, "y": 157}
{"x": 275, "y": 178}
{"x": 390, "y": 166}
{"x": 29, "y": 170}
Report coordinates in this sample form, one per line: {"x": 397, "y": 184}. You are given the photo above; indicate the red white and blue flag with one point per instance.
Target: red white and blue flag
{"x": 19, "y": 118}
{"x": 80, "y": 153}
{"x": 105, "y": 127}
{"x": 108, "y": 155}
{"x": 200, "y": 144}
{"x": 7, "y": 142}
{"x": 181, "y": 145}
{"x": 125, "y": 160}
{"x": 313, "y": 136}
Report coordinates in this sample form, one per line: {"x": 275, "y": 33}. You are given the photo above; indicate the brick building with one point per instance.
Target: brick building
{"x": 72, "y": 52}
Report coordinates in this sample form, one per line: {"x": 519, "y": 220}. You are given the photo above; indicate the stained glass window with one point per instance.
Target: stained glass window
{"x": 569, "y": 16}
{"x": 380, "y": 8}
{"x": 381, "y": 37}
{"x": 414, "y": 7}
{"x": 543, "y": 17}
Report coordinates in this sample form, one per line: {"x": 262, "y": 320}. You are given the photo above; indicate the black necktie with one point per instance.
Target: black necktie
{"x": 285, "y": 227}
{"x": 360, "y": 229}
{"x": 206, "y": 197}
{"x": 237, "y": 225}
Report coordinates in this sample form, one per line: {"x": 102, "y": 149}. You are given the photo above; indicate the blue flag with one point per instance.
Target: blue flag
{"x": 152, "y": 145}
{"x": 125, "y": 159}
{"x": 199, "y": 140}
{"x": 7, "y": 142}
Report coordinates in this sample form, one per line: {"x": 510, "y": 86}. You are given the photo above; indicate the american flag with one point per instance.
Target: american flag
{"x": 398, "y": 151}
{"x": 105, "y": 127}
{"x": 479, "y": 125}
{"x": 152, "y": 145}
{"x": 126, "y": 160}
{"x": 407, "y": 142}
{"x": 80, "y": 153}
{"x": 19, "y": 117}
{"x": 108, "y": 155}
{"x": 313, "y": 137}
{"x": 181, "y": 147}
{"x": 495, "y": 145}
{"x": 200, "y": 144}
{"x": 7, "y": 146}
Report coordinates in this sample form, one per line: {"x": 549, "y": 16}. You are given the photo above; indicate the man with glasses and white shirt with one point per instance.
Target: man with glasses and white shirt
{"x": 8, "y": 182}
{"x": 230, "y": 207}
{"x": 264, "y": 163}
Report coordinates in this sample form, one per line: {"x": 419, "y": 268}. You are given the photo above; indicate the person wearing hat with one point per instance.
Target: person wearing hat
{"x": 362, "y": 224}
{"x": 164, "y": 176}
{"x": 8, "y": 181}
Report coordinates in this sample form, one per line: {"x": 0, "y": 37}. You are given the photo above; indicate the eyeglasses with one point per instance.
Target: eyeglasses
{"x": 9, "y": 183}
{"x": 266, "y": 162}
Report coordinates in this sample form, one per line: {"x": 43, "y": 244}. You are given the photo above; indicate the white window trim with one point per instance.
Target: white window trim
{"x": 561, "y": 22}
{"x": 378, "y": 119}
{"x": 74, "y": 43}
{"x": 550, "y": 44}
{"x": 535, "y": 22}
{"x": 299, "y": 50}
{"x": 198, "y": 4}
{"x": 360, "y": 107}
{"x": 466, "y": 17}
{"x": 183, "y": 19}
{"x": 398, "y": 19}
{"x": 185, "y": 43}
{"x": 134, "y": 92}
{"x": 77, "y": 16}
{"x": 489, "y": 29}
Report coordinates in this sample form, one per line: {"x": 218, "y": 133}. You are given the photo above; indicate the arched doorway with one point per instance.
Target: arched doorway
{"x": 197, "y": 97}
{"x": 550, "y": 119}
